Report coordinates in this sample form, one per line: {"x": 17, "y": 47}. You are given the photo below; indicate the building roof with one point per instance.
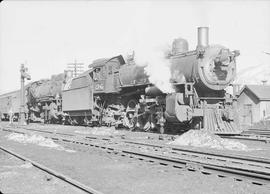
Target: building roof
{"x": 262, "y": 92}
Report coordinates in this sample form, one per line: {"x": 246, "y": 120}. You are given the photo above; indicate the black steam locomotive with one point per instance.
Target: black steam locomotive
{"x": 116, "y": 92}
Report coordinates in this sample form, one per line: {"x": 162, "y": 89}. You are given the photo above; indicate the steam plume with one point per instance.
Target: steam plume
{"x": 157, "y": 66}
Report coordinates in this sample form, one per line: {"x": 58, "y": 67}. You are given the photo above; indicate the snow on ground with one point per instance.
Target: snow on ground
{"x": 36, "y": 139}
{"x": 25, "y": 165}
{"x": 205, "y": 139}
{"x": 99, "y": 131}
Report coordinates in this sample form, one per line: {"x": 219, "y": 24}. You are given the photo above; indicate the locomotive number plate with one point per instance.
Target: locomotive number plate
{"x": 99, "y": 86}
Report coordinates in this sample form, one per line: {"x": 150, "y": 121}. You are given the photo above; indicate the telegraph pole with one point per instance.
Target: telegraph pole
{"x": 24, "y": 75}
{"x": 76, "y": 68}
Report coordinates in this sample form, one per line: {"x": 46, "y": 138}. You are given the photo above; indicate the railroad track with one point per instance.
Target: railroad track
{"x": 52, "y": 172}
{"x": 259, "y": 137}
{"x": 258, "y": 132}
{"x": 255, "y": 170}
{"x": 248, "y": 137}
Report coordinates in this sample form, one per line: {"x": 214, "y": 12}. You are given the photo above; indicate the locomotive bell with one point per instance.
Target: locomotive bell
{"x": 203, "y": 37}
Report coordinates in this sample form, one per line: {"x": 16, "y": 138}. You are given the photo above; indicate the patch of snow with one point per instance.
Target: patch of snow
{"x": 26, "y": 165}
{"x": 83, "y": 132}
{"x": 35, "y": 139}
{"x": 4, "y": 175}
{"x": 99, "y": 131}
{"x": 205, "y": 139}
{"x": 71, "y": 151}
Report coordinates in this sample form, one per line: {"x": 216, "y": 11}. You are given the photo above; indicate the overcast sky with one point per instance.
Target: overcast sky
{"x": 46, "y": 35}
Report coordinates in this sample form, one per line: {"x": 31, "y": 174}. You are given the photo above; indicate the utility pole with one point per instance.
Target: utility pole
{"x": 24, "y": 75}
{"x": 76, "y": 68}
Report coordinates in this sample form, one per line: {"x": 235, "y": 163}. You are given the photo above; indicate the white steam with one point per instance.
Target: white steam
{"x": 157, "y": 66}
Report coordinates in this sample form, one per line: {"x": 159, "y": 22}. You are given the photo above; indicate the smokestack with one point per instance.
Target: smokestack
{"x": 203, "y": 37}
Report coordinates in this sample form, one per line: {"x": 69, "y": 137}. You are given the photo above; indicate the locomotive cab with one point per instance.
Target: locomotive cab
{"x": 97, "y": 75}
{"x": 105, "y": 74}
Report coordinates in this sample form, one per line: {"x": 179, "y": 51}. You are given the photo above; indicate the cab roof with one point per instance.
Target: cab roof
{"x": 103, "y": 61}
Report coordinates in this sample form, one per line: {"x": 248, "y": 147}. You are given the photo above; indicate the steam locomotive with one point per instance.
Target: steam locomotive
{"x": 43, "y": 101}
{"x": 118, "y": 92}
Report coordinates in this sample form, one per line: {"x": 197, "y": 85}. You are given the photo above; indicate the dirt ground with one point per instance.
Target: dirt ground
{"x": 111, "y": 173}
{"x": 19, "y": 177}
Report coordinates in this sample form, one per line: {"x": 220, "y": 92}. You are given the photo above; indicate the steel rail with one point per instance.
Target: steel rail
{"x": 232, "y": 156}
{"x": 65, "y": 178}
{"x": 185, "y": 150}
{"x": 257, "y": 132}
{"x": 198, "y": 156}
{"x": 258, "y": 177}
{"x": 248, "y": 138}
{"x": 210, "y": 153}
{"x": 265, "y": 139}
{"x": 176, "y": 148}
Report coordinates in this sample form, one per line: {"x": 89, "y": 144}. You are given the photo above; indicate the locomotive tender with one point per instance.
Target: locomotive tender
{"x": 115, "y": 92}
{"x": 118, "y": 92}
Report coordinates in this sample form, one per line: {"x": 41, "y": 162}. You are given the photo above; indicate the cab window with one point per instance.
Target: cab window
{"x": 97, "y": 74}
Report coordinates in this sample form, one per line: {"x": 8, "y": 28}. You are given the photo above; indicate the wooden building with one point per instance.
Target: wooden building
{"x": 253, "y": 104}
